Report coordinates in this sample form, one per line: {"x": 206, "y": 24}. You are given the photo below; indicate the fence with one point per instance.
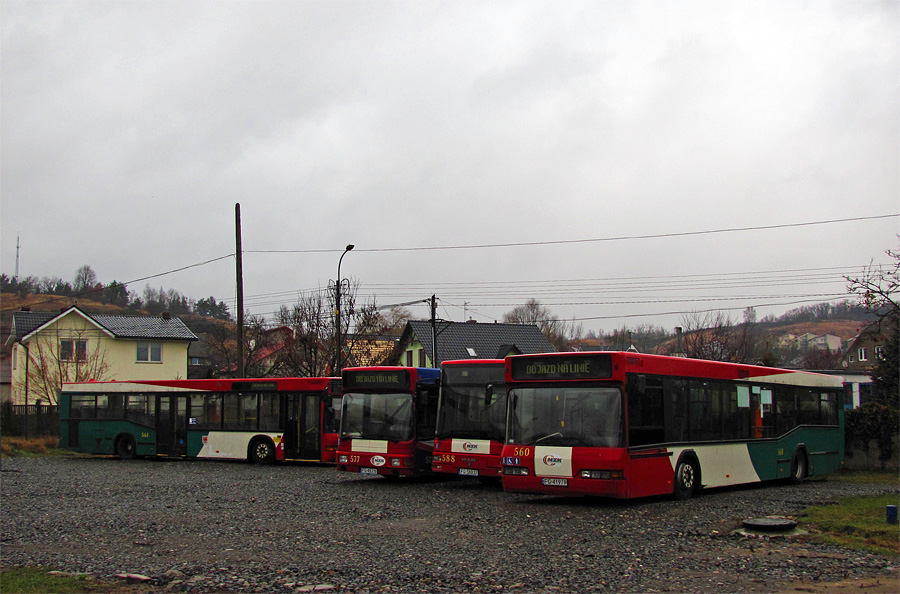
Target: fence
{"x": 42, "y": 419}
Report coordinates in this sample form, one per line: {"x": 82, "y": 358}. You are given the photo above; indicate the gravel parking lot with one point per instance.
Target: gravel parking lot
{"x": 203, "y": 526}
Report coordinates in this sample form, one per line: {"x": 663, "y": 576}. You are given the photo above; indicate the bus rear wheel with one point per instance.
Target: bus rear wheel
{"x": 686, "y": 477}
{"x": 125, "y": 448}
{"x": 262, "y": 451}
{"x": 798, "y": 467}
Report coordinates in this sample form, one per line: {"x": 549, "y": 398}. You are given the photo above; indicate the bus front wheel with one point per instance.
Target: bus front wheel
{"x": 686, "y": 477}
{"x": 125, "y": 448}
{"x": 262, "y": 451}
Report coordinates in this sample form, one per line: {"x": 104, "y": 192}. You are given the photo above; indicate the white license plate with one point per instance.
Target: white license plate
{"x": 468, "y": 472}
{"x": 368, "y": 471}
{"x": 555, "y": 482}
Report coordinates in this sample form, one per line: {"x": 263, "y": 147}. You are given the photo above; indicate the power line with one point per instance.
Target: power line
{"x": 125, "y": 283}
{"x": 576, "y": 241}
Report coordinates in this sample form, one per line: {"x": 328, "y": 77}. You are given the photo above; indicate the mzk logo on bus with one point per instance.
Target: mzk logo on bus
{"x": 551, "y": 460}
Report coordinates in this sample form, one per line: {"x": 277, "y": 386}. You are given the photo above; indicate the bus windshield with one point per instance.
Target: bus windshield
{"x": 472, "y": 412}
{"x": 377, "y": 416}
{"x": 566, "y": 416}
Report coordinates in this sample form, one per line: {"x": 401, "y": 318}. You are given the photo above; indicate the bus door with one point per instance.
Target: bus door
{"x": 302, "y": 437}
{"x": 171, "y": 425}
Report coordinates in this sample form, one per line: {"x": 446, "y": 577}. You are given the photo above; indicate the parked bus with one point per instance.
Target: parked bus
{"x": 471, "y": 421}
{"x": 262, "y": 420}
{"x": 630, "y": 425}
{"x": 387, "y": 420}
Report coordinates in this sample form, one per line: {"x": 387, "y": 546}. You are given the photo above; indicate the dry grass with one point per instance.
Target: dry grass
{"x": 33, "y": 446}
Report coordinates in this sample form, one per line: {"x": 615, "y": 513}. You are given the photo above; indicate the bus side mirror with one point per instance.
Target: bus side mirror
{"x": 488, "y": 394}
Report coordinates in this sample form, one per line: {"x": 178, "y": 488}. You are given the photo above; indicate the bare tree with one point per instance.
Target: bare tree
{"x": 85, "y": 279}
{"x": 878, "y": 288}
{"x": 55, "y": 358}
{"x": 557, "y": 332}
{"x": 713, "y": 336}
{"x": 310, "y": 350}
{"x": 310, "y": 319}
{"x": 393, "y": 319}
{"x": 646, "y": 338}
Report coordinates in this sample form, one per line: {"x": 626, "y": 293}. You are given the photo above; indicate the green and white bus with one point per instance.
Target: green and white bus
{"x": 262, "y": 420}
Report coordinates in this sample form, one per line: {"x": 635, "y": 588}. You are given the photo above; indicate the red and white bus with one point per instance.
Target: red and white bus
{"x": 262, "y": 420}
{"x": 630, "y": 425}
{"x": 471, "y": 420}
{"x": 387, "y": 420}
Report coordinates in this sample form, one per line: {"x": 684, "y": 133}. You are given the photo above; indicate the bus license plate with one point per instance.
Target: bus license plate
{"x": 555, "y": 482}
{"x": 468, "y": 472}
{"x": 368, "y": 471}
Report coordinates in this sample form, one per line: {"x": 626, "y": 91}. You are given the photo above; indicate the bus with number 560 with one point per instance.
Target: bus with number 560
{"x": 623, "y": 425}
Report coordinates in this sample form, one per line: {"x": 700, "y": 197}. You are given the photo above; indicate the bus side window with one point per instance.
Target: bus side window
{"x": 83, "y": 407}
{"x": 136, "y": 409}
{"x": 102, "y": 406}
{"x": 736, "y": 417}
{"x": 786, "y": 409}
{"x": 268, "y": 412}
{"x": 809, "y": 407}
{"x": 646, "y": 422}
{"x": 675, "y": 402}
{"x": 829, "y": 409}
{"x": 116, "y": 406}
{"x": 426, "y": 410}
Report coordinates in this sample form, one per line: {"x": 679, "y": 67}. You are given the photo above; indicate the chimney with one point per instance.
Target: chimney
{"x": 166, "y": 315}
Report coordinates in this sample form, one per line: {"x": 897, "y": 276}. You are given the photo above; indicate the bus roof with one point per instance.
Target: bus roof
{"x": 627, "y": 362}
{"x": 280, "y": 384}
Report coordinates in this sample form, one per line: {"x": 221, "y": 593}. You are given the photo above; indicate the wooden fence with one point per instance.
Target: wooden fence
{"x": 32, "y": 420}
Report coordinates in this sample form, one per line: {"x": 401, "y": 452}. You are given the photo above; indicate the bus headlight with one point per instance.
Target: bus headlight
{"x": 603, "y": 474}
{"x": 342, "y": 459}
{"x": 515, "y": 470}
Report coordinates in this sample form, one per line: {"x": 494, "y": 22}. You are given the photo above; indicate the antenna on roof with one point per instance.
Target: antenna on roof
{"x": 16, "y": 277}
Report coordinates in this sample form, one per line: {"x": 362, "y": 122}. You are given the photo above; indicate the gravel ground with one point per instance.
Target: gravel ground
{"x": 200, "y": 526}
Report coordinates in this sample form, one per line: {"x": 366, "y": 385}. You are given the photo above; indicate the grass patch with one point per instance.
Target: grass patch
{"x": 35, "y": 446}
{"x": 35, "y": 580}
{"x": 856, "y": 523}
{"x": 868, "y": 476}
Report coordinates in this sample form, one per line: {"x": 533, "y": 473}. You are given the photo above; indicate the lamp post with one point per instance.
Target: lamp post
{"x": 337, "y": 311}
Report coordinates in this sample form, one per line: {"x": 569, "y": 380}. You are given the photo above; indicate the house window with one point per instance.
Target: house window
{"x": 863, "y": 354}
{"x": 149, "y": 352}
{"x": 72, "y": 350}
{"x": 879, "y": 352}
{"x": 409, "y": 356}
{"x": 421, "y": 357}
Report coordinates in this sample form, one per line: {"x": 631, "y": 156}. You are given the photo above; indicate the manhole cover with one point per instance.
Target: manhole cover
{"x": 770, "y": 524}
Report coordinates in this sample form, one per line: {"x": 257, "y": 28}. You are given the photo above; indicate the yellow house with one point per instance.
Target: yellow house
{"x": 49, "y": 349}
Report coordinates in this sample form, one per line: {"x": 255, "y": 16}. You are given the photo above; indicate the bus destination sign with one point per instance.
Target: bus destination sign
{"x": 376, "y": 378}
{"x": 254, "y": 386}
{"x": 566, "y": 368}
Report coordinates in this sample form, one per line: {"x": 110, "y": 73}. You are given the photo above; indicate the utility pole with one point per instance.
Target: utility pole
{"x": 434, "y": 361}
{"x": 240, "y": 289}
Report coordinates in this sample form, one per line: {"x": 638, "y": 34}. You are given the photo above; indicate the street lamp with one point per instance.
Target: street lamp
{"x": 337, "y": 310}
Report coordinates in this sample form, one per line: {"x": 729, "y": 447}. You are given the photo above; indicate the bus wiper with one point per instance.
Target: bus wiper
{"x": 557, "y": 434}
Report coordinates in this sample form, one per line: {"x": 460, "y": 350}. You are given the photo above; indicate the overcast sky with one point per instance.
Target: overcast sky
{"x": 131, "y": 129}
